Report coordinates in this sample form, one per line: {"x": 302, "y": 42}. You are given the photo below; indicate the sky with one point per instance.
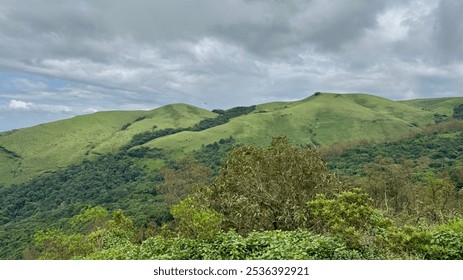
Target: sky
{"x": 61, "y": 58}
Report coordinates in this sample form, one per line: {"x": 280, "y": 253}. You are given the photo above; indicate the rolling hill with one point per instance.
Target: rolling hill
{"x": 321, "y": 119}
{"x": 435, "y": 105}
{"x": 46, "y": 147}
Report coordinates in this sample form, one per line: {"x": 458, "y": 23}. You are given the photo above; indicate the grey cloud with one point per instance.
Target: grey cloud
{"x": 260, "y": 26}
{"x": 326, "y": 25}
{"x": 218, "y": 54}
{"x": 449, "y": 30}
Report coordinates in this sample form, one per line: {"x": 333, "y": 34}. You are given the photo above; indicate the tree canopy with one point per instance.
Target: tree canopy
{"x": 267, "y": 188}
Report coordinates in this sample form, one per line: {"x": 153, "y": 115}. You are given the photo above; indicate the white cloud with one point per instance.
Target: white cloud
{"x": 20, "y": 105}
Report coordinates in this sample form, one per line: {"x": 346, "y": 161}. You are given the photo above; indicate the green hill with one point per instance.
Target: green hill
{"x": 53, "y": 145}
{"x": 321, "y": 119}
{"x": 436, "y": 105}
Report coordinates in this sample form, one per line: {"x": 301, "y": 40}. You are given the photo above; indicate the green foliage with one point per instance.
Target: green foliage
{"x": 407, "y": 242}
{"x": 437, "y": 201}
{"x": 214, "y": 155}
{"x": 55, "y": 245}
{"x": 274, "y": 203}
{"x": 266, "y": 245}
{"x": 147, "y": 153}
{"x": 411, "y": 195}
{"x": 193, "y": 220}
{"x": 297, "y": 245}
{"x": 444, "y": 242}
{"x": 125, "y": 126}
{"x": 458, "y": 112}
{"x": 438, "y": 118}
{"x": 48, "y": 147}
{"x": 109, "y": 181}
{"x": 441, "y": 146}
{"x": 144, "y": 137}
{"x": 223, "y": 117}
{"x": 100, "y": 232}
{"x": 267, "y": 188}
{"x": 348, "y": 215}
{"x": 392, "y": 242}
{"x": 390, "y": 185}
{"x": 90, "y": 219}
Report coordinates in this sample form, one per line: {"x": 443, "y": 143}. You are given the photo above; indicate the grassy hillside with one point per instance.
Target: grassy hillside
{"x": 170, "y": 116}
{"x": 321, "y": 119}
{"x": 49, "y": 146}
{"x": 436, "y": 105}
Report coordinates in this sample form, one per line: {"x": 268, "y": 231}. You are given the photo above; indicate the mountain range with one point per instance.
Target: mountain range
{"x": 179, "y": 129}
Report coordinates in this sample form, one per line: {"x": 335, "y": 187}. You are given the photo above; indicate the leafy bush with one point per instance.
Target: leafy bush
{"x": 447, "y": 242}
{"x": 350, "y": 216}
{"x": 92, "y": 231}
{"x": 194, "y": 220}
{"x": 267, "y": 245}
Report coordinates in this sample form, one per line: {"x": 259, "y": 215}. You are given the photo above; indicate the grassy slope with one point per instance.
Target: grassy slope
{"x": 436, "y": 105}
{"x": 49, "y": 146}
{"x": 324, "y": 119}
{"x": 170, "y": 116}
{"x": 327, "y": 118}
{"x": 8, "y": 165}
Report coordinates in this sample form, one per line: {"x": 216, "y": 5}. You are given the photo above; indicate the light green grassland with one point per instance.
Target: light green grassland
{"x": 58, "y": 144}
{"x": 321, "y": 119}
{"x": 170, "y": 116}
{"x": 436, "y": 105}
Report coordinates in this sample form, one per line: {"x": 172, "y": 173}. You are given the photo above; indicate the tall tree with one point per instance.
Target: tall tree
{"x": 268, "y": 188}
{"x": 180, "y": 178}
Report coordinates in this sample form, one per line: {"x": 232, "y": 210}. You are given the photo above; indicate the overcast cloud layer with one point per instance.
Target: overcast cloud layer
{"x": 63, "y": 58}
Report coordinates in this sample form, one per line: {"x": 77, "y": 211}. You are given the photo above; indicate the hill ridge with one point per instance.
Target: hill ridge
{"x": 319, "y": 119}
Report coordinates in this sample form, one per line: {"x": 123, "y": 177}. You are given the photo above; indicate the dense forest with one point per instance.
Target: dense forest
{"x": 276, "y": 202}
{"x": 399, "y": 199}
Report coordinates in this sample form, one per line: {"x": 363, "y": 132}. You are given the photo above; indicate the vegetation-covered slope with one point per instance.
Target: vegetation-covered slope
{"x": 320, "y": 119}
{"x": 279, "y": 202}
{"x": 123, "y": 181}
{"x": 437, "y": 105}
{"x": 50, "y": 146}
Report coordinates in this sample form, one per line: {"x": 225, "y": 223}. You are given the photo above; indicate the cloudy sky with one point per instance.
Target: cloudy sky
{"x": 60, "y": 58}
